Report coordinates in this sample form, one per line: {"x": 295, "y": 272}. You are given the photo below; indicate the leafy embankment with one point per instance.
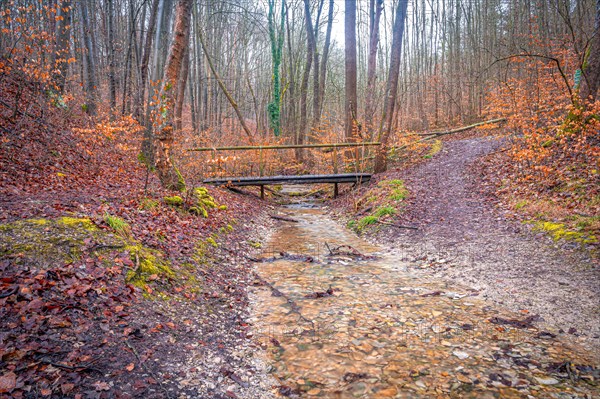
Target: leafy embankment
{"x": 378, "y": 204}
{"x": 104, "y": 271}
{"x": 549, "y": 174}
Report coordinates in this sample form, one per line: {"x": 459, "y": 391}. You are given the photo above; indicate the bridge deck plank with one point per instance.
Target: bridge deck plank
{"x": 299, "y": 179}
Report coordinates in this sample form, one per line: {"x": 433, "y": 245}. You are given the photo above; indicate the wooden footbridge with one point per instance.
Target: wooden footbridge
{"x": 356, "y": 176}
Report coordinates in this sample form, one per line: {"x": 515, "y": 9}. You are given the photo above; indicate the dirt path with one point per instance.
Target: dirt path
{"x": 464, "y": 238}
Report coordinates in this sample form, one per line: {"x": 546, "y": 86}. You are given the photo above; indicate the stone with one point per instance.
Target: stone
{"x": 460, "y": 354}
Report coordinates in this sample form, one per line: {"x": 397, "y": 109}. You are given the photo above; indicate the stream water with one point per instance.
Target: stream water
{"x": 339, "y": 325}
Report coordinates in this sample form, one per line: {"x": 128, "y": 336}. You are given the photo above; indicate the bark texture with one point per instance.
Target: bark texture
{"x": 164, "y": 115}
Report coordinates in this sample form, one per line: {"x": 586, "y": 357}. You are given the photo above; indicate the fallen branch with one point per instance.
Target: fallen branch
{"x": 525, "y": 323}
{"x": 286, "y": 256}
{"x": 12, "y": 291}
{"x": 285, "y": 219}
{"x": 83, "y": 367}
{"x": 320, "y": 294}
{"x": 462, "y": 129}
{"x": 228, "y": 373}
{"x": 347, "y": 250}
{"x": 275, "y": 292}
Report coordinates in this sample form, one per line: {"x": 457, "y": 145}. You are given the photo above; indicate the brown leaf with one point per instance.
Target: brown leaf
{"x": 66, "y": 388}
{"x": 101, "y": 386}
{"x": 8, "y": 382}
{"x": 130, "y": 367}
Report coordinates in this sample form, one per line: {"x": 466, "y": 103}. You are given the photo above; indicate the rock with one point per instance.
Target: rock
{"x": 547, "y": 380}
{"x": 358, "y": 389}
{"x": 460, "y": 354}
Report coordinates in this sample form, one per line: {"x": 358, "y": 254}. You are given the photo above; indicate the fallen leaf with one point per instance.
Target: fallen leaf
{"x": 8, "y": 382}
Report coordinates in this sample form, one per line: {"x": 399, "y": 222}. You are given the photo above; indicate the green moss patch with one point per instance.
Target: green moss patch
{"x": 120, "y": 226}
{"x": 558, "y": 231}
{"x": 175, "y": 200}
{"x": 47, "y": 242}
{"x": 436, "y": 147}
{"x": 387, "y": 195}
{"x": 149, "y": 265}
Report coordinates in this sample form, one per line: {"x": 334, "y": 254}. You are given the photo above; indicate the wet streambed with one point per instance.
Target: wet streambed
{"x": 342, "y": 326}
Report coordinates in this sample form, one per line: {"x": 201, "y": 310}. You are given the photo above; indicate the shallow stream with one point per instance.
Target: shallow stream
{"x": 353, "y": 323}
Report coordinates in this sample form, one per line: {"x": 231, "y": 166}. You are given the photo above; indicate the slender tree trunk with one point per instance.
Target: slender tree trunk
{"x": 112, "y": 73}
{"x": 164, "y": 115}
{"x": 89, "y": 59}
{"x": 310, "y": 39}
{"x": 391, "y": 91}
{"x": 591, "y": 71}
{"x": 324, "y": 59}
{"x": 350, "y": 81}
{"x": 139, "y": 108}
{"x": 181, "y": 86}
{"x": 316, "y": 74}
{"x": 375, "y": 17}
{"x": 61, "y": 54}
{"x": 276, "y": 37}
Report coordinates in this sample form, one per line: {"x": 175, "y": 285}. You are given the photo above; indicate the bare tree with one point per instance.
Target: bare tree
{"x": 591, "y": 71}
{"x": 391, "y": 90}
{"x": 63, "y": 35}
{"x": 376, "y": 7}
{"x": 350, "y": 81}
{"x": 89, "y": 63}
{"x": 164, "y": 114}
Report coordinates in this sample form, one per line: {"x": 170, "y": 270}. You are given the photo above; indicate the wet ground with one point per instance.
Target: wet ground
{"x": 353, "y": 322}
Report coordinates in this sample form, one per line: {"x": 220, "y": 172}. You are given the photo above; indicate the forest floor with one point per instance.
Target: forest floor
{"x": 467, "y": 236}
{"x": 110, "y": 287}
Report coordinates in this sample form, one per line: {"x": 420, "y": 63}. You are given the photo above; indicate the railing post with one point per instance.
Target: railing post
{"x": 335, "y": 160}
{"x": 214, "y": 162}
{"x": 260, "y": 161}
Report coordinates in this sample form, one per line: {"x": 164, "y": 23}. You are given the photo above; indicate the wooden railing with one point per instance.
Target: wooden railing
{"x": 264, "y": 162}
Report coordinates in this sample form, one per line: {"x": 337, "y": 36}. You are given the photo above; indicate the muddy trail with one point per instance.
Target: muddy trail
{"x": 339, "y": 317}
{"x": 465, "y": 238}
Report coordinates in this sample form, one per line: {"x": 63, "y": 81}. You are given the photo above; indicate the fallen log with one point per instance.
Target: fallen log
{"x": 462, "y": 129}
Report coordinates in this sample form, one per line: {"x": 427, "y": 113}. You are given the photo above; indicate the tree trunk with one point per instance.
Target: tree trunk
{"x": 310, "y": 40}
{"x": 591, "y": 71}
{"x": 61, "y": 54}
{"x": 316, "y": 74}
{"x": 276, "y": 37}
{"x": 181, "y": 85}
{"x": 375, "y": 17}
{"x": 391, "y": 90}
{"x": 350, "y": 50}
{"x": 324, "y": 59}
{"x": 112, "y": 84}
{"x": 139, "y": 108}
{"x": 221, "y": 84}
{"x": 164, "y": 116}
{"x": 89, "y": 65}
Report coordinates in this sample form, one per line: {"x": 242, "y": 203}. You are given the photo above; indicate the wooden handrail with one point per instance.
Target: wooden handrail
{"x": 283, "y": 147}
